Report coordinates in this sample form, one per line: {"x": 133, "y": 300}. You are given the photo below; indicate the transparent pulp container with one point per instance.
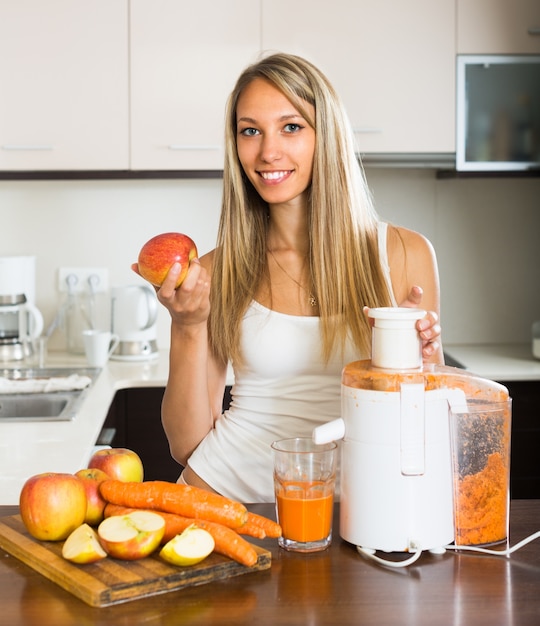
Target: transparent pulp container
{"x": 481, "y": 459}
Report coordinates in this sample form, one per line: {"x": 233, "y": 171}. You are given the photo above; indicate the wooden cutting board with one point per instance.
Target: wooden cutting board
{"x": 112, "y": 581}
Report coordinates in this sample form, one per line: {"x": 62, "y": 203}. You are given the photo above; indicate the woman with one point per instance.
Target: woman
{"x": 300, "y": 253}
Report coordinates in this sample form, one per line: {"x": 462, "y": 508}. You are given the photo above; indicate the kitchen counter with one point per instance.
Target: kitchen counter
{"x": 28, "y": 448}
{"x": 337, "y": 586}
{"x": 33, "y": 447}
{"x": 502, "y": 362}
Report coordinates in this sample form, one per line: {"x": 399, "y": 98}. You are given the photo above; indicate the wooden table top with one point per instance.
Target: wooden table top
{"x": 337, "y": 587}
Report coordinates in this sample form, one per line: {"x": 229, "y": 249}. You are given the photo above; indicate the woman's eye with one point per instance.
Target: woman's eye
{"x": 249, "y": 132}
{"x": 292, "y": 128}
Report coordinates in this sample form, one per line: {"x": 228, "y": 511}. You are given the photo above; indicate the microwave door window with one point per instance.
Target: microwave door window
{"x": 502, "y": 114}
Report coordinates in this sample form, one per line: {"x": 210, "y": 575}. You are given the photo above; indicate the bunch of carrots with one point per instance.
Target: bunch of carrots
{"x": 182, "y": 505}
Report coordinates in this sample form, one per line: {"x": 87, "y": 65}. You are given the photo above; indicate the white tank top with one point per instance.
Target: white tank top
{"x": 284, "y": 390}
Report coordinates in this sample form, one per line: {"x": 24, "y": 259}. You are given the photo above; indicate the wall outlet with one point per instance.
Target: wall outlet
{"x": 83, "y": 279}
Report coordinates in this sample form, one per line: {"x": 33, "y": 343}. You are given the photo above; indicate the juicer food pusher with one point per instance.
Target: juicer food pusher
{"x": 404, "y": 442}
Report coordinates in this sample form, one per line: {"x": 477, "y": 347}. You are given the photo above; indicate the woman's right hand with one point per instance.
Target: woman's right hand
{"x": 190, "y": 303}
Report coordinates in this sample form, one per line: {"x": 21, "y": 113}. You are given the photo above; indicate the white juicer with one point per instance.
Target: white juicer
{"x": 399, "y": 454}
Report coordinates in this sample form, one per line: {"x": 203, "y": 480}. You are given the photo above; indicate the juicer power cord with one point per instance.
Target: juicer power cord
{"x": 417, "y": 551}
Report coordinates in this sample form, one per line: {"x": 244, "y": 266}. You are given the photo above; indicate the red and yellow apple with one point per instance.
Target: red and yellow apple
{"x": 83, "y": 546}
{"x": 131, "y": 536}
{"x": 95, "y": 504}
{"x": 119, "y": 464}
{"x": 190, "y": 547}
{"x": 159, "y": 254}
{"x": 52, "y": 505}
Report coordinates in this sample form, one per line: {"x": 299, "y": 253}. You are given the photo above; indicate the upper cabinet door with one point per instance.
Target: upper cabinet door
{"x": 498, "y": 27}
{"x": 185, "y": 59}
{"x": 64, "y": 85}
{"x": 393, "y": 63}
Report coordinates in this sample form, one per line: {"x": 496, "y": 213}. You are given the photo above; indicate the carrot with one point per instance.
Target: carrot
{"x": 251, "y": 530}
{"x": 270, "y": 528}
{"x": 227, "y": 541}
{"x": 184, "y": 500}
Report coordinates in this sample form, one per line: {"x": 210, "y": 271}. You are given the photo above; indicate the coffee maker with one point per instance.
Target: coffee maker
{"x": 21, "y": 323}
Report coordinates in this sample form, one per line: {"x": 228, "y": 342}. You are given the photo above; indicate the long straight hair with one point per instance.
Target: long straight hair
{"x": 343, "y": 258}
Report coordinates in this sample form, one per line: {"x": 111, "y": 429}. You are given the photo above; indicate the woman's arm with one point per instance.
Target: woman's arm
{"x": 415, "y": 279}
{"x": 194, "y": 392}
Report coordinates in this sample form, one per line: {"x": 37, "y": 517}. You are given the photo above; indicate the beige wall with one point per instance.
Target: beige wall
{"x": 486, "y": 233}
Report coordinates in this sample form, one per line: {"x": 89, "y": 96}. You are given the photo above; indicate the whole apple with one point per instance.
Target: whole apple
{"x": 95, "y": 504}
{"x": 52, "y": 505}
{"x": 118, "y": 463}
{"x": 158, "y": 255}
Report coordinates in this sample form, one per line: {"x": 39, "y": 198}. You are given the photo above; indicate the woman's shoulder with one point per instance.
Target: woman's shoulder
{"x": 412, "y": 261}
{"x": 403, "y": 242}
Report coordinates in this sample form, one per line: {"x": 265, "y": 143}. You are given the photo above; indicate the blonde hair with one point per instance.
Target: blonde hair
{"x": 344, "y": 260}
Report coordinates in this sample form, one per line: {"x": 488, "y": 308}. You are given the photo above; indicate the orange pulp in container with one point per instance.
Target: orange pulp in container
{"x": 304, "y": 510}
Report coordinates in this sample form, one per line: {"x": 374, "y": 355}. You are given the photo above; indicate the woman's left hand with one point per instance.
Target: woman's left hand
{"x": 428, "y": 327}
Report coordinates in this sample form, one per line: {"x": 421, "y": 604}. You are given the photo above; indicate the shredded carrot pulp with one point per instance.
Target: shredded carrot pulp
{"x": 482, "y": 502}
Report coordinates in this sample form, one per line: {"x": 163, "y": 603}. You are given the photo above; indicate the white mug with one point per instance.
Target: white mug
{"x": 98, "y": 346}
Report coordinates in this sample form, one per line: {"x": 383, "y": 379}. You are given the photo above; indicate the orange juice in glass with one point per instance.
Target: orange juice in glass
{"x": 304, "y": 482}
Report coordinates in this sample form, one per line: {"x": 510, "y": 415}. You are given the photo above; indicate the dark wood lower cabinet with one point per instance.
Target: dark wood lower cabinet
{"x": 525, "y": 439}
{"x": 134, "y": 422}
{"x": 135, "y": 419}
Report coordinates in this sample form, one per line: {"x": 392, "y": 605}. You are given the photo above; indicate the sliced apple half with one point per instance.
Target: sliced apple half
{"x": 192, "y": 546}
{"x": 131, "y": 536}
{"x": 82, "y": 546}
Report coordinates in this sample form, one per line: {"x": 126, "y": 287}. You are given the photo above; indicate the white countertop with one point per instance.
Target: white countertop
{"x": 28, "y": 448}
{"x": 505, "y": 362}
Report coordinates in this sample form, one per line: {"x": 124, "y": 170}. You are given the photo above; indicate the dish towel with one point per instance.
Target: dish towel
{"x": 44, "y": 385}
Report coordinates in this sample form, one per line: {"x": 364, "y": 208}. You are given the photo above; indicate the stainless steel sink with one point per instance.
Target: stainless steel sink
{"x": 47, "y": 406}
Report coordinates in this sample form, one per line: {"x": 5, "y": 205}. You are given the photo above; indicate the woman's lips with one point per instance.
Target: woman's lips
{"x": 276, "y": 177}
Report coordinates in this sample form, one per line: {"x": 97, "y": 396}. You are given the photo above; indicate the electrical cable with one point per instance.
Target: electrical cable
{"x": 370, "y": 554}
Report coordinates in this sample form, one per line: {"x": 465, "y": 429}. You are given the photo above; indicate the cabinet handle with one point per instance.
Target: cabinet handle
{"x": 29, "y": 147}
{"x": 367, "y": 129}
{"x": 186, "y": 146}
{"x": 535, "y": 30}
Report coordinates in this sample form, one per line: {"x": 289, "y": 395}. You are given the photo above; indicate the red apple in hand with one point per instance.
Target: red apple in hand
{"x": 95, "y": 504}
{"x": 119, "y": 464}
{"x": 52, "y": 505}
{"x": 158, "y": 255}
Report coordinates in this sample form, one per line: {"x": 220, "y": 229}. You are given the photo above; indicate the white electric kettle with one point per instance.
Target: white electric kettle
{"x": 425, "y": 450}
{"x": 134, "y": 310}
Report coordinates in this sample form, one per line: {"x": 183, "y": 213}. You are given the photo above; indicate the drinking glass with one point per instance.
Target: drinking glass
{"x": 304, "y": 483}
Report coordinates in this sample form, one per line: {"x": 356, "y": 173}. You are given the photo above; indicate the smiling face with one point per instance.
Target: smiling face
{"x": 275, "y": 143}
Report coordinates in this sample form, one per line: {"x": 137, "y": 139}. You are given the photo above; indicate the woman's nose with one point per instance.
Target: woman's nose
{"x": 270, "y": 149}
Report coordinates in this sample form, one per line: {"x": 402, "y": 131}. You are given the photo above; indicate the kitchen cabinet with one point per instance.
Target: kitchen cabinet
{"x": 64, "y": 77}
{"x": 134, "y": 422}
{"x": 393, "y": 63}
{"x": 498, "y": 27}
{"x": 525, "y": 438}
{"x": 185, "y": 59}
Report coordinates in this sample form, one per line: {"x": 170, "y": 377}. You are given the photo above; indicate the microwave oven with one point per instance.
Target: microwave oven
{"x": 498, "y": 112}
